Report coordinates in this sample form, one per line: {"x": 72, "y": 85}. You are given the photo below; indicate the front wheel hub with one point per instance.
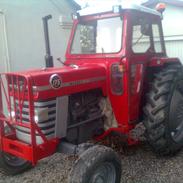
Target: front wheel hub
{"x": 105, "y": 173}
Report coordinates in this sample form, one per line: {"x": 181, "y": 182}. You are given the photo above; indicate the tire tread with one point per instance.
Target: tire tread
{"x": 156, "y": 110}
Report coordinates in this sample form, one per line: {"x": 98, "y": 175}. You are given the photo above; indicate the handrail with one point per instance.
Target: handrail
{"x": 15, "y": 100}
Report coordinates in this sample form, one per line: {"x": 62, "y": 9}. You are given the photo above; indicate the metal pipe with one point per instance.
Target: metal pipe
{"x": 5, "y": 37}
{"x": 48, "y": 57}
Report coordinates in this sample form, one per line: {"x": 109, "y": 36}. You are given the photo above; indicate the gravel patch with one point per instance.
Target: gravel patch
{"x": 143, "y": 166}
{"x": 140, "y": 165}
{"x": 49, "y": 170}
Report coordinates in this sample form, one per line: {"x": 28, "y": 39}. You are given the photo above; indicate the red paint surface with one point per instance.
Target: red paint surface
{"x": 126, "y": 106}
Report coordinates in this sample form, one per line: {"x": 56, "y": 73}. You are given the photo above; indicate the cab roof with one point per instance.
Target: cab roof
{"x": 109, "y": 7}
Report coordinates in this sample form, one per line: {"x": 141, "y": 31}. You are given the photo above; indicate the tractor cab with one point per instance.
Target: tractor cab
{"x": 116, "y": 31}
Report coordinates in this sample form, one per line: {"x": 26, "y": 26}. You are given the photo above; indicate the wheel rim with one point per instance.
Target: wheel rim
{"x": 105, "y": 173}
{"x": 176, "y": 113}
{"x": 13, "y": 160}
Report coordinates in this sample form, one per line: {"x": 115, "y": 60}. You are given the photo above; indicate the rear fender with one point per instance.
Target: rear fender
{"x": 161, "y": 61}
{"x": 154, "y": 66}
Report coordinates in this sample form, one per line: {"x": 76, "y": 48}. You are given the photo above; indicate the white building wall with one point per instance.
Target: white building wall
{"x": 175, "y": 49}
{"x": 173, "y": 31}
{"x": 25, "y": 31}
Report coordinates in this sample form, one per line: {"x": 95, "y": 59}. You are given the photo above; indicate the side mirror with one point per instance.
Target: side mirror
{"x": 145, "y": 29}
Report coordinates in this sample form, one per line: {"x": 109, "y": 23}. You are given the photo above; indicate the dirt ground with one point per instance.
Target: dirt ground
{"x": 140, "y": 165}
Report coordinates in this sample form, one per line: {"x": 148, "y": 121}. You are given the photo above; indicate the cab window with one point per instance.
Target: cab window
{"x": 98, "y": 36}
{"x": 146, "y": 36}
{"x": 156, "y": 38}
{"x": 140, "y": 41}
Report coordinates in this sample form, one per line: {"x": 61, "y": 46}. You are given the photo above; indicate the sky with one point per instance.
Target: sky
{"x": 94, "y": 2}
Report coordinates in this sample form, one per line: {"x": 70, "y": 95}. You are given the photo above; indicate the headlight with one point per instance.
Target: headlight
{"x": 12, "y": 114}
{"x": 36, "y": 119}
{"x": 41, "y": 114}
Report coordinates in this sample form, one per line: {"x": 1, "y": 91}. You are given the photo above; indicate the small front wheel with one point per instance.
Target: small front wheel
{"x": 12, "y": 165}
{"x": 98, "y": 164}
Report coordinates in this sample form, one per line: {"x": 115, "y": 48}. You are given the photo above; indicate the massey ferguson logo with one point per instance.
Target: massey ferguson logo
{"x": 55, "y": 81}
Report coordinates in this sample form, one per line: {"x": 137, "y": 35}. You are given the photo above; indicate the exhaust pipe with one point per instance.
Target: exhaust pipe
{"x": 48, "y": 57}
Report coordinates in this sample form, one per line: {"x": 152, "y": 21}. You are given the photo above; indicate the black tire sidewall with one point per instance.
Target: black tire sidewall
{"x": 85, "y": 167}
{"x": 175, "y": 145}
{"x": 99, "y": 162}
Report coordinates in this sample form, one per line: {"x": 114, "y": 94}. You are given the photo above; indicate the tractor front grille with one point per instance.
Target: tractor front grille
{"x": 44, "y": 117}
{"x": 21, "y": 111}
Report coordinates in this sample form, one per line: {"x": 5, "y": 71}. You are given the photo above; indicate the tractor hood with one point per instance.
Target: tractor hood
{"x": 54, "y": 82}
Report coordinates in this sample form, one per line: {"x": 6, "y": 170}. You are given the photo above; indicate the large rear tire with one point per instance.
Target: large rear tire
{"x": 98, "y": 164}
{"x": 163, "y": 112}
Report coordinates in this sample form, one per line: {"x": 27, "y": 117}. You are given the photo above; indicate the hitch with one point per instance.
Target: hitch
{"x": 48, "y": 57}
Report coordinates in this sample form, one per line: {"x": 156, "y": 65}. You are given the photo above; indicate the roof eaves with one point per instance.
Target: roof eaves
{"x": 171, "y": 2}
{"x": 74, "y": 4}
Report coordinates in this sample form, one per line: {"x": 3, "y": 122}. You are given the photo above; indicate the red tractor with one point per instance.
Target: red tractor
{"x": 116, "y": 74}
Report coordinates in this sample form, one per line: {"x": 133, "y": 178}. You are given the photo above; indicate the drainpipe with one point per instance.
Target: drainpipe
{"x": 5, "y": 37}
